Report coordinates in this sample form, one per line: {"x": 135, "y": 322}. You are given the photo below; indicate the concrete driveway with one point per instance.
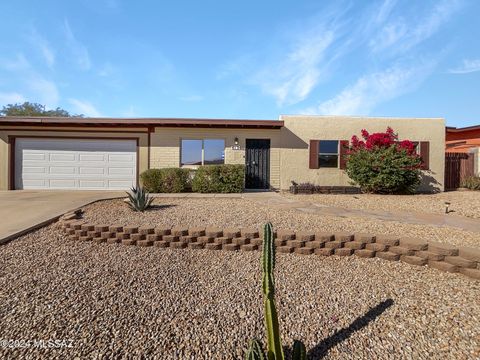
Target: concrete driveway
{"x": 24, "y": 210}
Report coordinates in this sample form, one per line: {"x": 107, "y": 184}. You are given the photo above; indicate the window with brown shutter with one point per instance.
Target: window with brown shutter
{"x": 425, "y": 154}
{"x": 343, "y": 153}
{"x": 313, "y": 154}
{"x": 328, "y": 154}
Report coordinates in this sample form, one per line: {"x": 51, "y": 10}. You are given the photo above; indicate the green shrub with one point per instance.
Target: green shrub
{"x": 219, "y": 179}
{"x": 472, "y": 183}
{"x": 168, "y": 180}
{"x": 381, "y": 164}
{"x": 139, "y": 199}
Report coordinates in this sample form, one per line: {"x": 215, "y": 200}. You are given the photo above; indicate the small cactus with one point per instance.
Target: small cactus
{"x": 139, "y": 199}
{"x": 274, "y": 344}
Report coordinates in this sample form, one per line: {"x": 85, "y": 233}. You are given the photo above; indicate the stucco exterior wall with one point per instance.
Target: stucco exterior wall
{"x": 300, "y": 129}
{"x": 165, "y": 146}
{"x": 79, "y": 132}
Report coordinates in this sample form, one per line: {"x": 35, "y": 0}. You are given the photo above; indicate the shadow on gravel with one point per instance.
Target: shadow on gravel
{"x": 323, "y": 347}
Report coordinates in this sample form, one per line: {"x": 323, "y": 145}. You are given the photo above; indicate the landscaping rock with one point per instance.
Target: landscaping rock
{"x": 429, "y": 255}
{"x": 442, "y": 249}
{"x": 323, "y": 251}
{"x": 387, "y": 240}
{"x": 443, "y": 266}
{"x": 377, "y": 247}
{"x": 387, "y": 255}
{"x": 354, "y": 245}
{"x": 461, "y": 262}
{"x": 303, "y": 250}
{"x": 285, "y": 249}
{"x": 413, "y": 244}
{"x": 343, "y": 252}
{"x": 413, "y": 260}
{"x": 364, "y": 253}
{"x": 401, "y": 250}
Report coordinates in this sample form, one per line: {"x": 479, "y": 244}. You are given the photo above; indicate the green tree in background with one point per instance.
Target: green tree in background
{"x": 33, "y": 109}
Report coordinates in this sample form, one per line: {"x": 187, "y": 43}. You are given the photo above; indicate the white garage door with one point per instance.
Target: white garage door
{"x": 75, "y": 164}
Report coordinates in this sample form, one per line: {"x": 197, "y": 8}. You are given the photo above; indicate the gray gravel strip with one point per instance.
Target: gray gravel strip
{"x": 116, "y": 301}
{"x": 246, "y": 213}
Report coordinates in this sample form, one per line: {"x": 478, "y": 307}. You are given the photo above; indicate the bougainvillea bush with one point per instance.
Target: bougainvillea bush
{"x": 381, "y": 164}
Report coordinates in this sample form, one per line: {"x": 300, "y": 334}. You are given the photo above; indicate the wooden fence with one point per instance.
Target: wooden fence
{"x": 458, "y": 166}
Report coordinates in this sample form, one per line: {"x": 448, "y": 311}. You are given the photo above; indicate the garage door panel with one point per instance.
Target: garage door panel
{"x": 75, "y": 164}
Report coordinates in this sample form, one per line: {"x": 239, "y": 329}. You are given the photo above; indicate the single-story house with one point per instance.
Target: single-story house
{"x": 466, "y": 141}
{"x": 110, "y": 153}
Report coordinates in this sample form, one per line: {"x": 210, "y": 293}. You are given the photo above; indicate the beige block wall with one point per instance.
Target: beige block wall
{"x": 300, "y": 129}
{"x": 79, "y": 132}
{"x": 165, "y": 146}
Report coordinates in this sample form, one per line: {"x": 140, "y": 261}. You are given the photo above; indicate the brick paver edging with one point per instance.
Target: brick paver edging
{"x": 410, "y": 250}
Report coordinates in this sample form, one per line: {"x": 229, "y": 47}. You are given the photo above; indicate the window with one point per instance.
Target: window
{"x": 328, "y": 154}
{"x": 202, "y": 152}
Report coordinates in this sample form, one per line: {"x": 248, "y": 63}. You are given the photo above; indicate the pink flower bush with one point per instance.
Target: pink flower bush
{"x": 381, "y": 140}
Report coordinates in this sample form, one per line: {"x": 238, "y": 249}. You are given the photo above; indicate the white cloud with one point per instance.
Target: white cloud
{"x": 192, "y": 98}
{"x": 372, "y": 89}
{"x": 11, "y": 98}
{"x": 78, "y": 50}
{"x": 44, "y": 47}
{"x": 43, "y": 90}
{"x": 467, "y": 66}
{"x": 84, "y": 107}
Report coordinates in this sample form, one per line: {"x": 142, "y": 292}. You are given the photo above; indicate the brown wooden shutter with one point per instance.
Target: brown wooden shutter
{"x": 343, "y": 154}
{"x": 314, "y": 146}
{"x": 425, "y": 154}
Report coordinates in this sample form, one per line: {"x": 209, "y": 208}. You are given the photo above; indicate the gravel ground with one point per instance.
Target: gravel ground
{"x": 463, "y": 203}
{"x": 246, "y": 213}
{"x": 115, "y": 301}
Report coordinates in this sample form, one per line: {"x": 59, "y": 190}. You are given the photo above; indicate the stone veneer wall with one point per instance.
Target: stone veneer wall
{"x": 410, "y": 250}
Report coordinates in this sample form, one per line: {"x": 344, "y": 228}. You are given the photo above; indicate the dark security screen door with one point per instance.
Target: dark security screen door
{"x": 257, "y": 164}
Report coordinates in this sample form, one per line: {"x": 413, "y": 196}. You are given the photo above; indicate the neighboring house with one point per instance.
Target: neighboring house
{"x": 465, "y": 141}
{"x": 109, "y": 153}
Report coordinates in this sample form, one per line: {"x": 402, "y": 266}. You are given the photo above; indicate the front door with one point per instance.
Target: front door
{"x": 257, "y": 164}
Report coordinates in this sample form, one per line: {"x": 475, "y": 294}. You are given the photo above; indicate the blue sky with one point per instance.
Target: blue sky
{"x": 244, "y": 59}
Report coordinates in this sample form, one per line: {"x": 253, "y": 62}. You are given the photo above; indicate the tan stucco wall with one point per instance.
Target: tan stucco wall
{"x": 300, "y": 129}
{"x": 79, "y": 132}
{"x": 165, "y": 146}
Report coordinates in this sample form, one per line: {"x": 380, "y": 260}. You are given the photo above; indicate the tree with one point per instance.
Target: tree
{"x": 33, "y": 109}
{"x": 381, "y": 164}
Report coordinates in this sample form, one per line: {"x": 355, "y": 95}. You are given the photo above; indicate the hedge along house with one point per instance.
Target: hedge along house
{"x": 108, "y": 153}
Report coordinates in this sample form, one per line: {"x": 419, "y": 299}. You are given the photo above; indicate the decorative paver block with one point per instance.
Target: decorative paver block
{"x": 256, "y": 241}
{"x": 115, "y": 228}
{"x": 280, "y": 242}
{"x": 429, "y": 255}
{"x": 88, "y": 227}
{"x": 343, "y": 236}
{"x": 154, "y": 237}
{"x": 248, "y": 247}
{"x": 161, "y": 244}
{"x": 295, "y": 243}
{"x": 85, "y": 238}
{"x": 230, "y": 247}
{"x": 130, "y": 229}
{"x": 387, "y": 255}
{"x": 179, "y": 230}
{"x": 81, "y": 232}
{"x": 413, "y": 244}
{"x": 196, "y": 245}
{"x": 188, "y": 239}
{"x": 442, "y": 265}
{"x": 101, "y": 228}
{"x": 413, "y": 260}
{"x": 223, "y": 240}
{"x": 128, "y": 242}
{"x": 285, "y": 249}
{"x": 315, "y": 244}
{"x": 123, "y": 236}
{"x": 461, "y": 262}
{"x": 76, "y": 226}
{"x": 170, "y": 238}
{"x": 241, "y": 241}
{"x": 469, "y": 253}
{"x": 323, "y": 251}
{"x": 387, "y": 240}
{"x": 442, "y": 249}
{"x": 196, "y": 231}
{"x": 304, "y": 251}
{"x": 163, "y": 231}
{"x": 323, "y": 236}
{"x": 137, "y": 237}
{"x": 107, "y": 234}
{"x": 334, "y": 244}
{"x": 178, "y": 245}
{"x": 93, "y": 233}
{"x": 343, "y": 252}
{"x": 145, "y": 230}
{"x": 214, "y": 232}
{"x": 286, "y": 235}
{"x": 213, "y": 246}
{"x": 401, "y": 251}
{"x": 305, "y": 235}
{"x": 145, "y": 243}
{"x": 377, "y": 247}
{"x": 70, "y": 232}
{"x": 73, "y": 237}
{"x": 355, "y": 245}
{"x": 231, "y": 233}
{"x": 205, "y": 239}
{"x": 364, "y": 238}
{"x": 249, "y": 233}
{"x": 99, "y": 240}
{"x": 364, "y": 253}
{"x": 473, "y": 273}
{"x": 113, "y": 241}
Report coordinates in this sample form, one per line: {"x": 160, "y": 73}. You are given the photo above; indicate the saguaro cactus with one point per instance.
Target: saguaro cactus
{"x": 274, "y": 344}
